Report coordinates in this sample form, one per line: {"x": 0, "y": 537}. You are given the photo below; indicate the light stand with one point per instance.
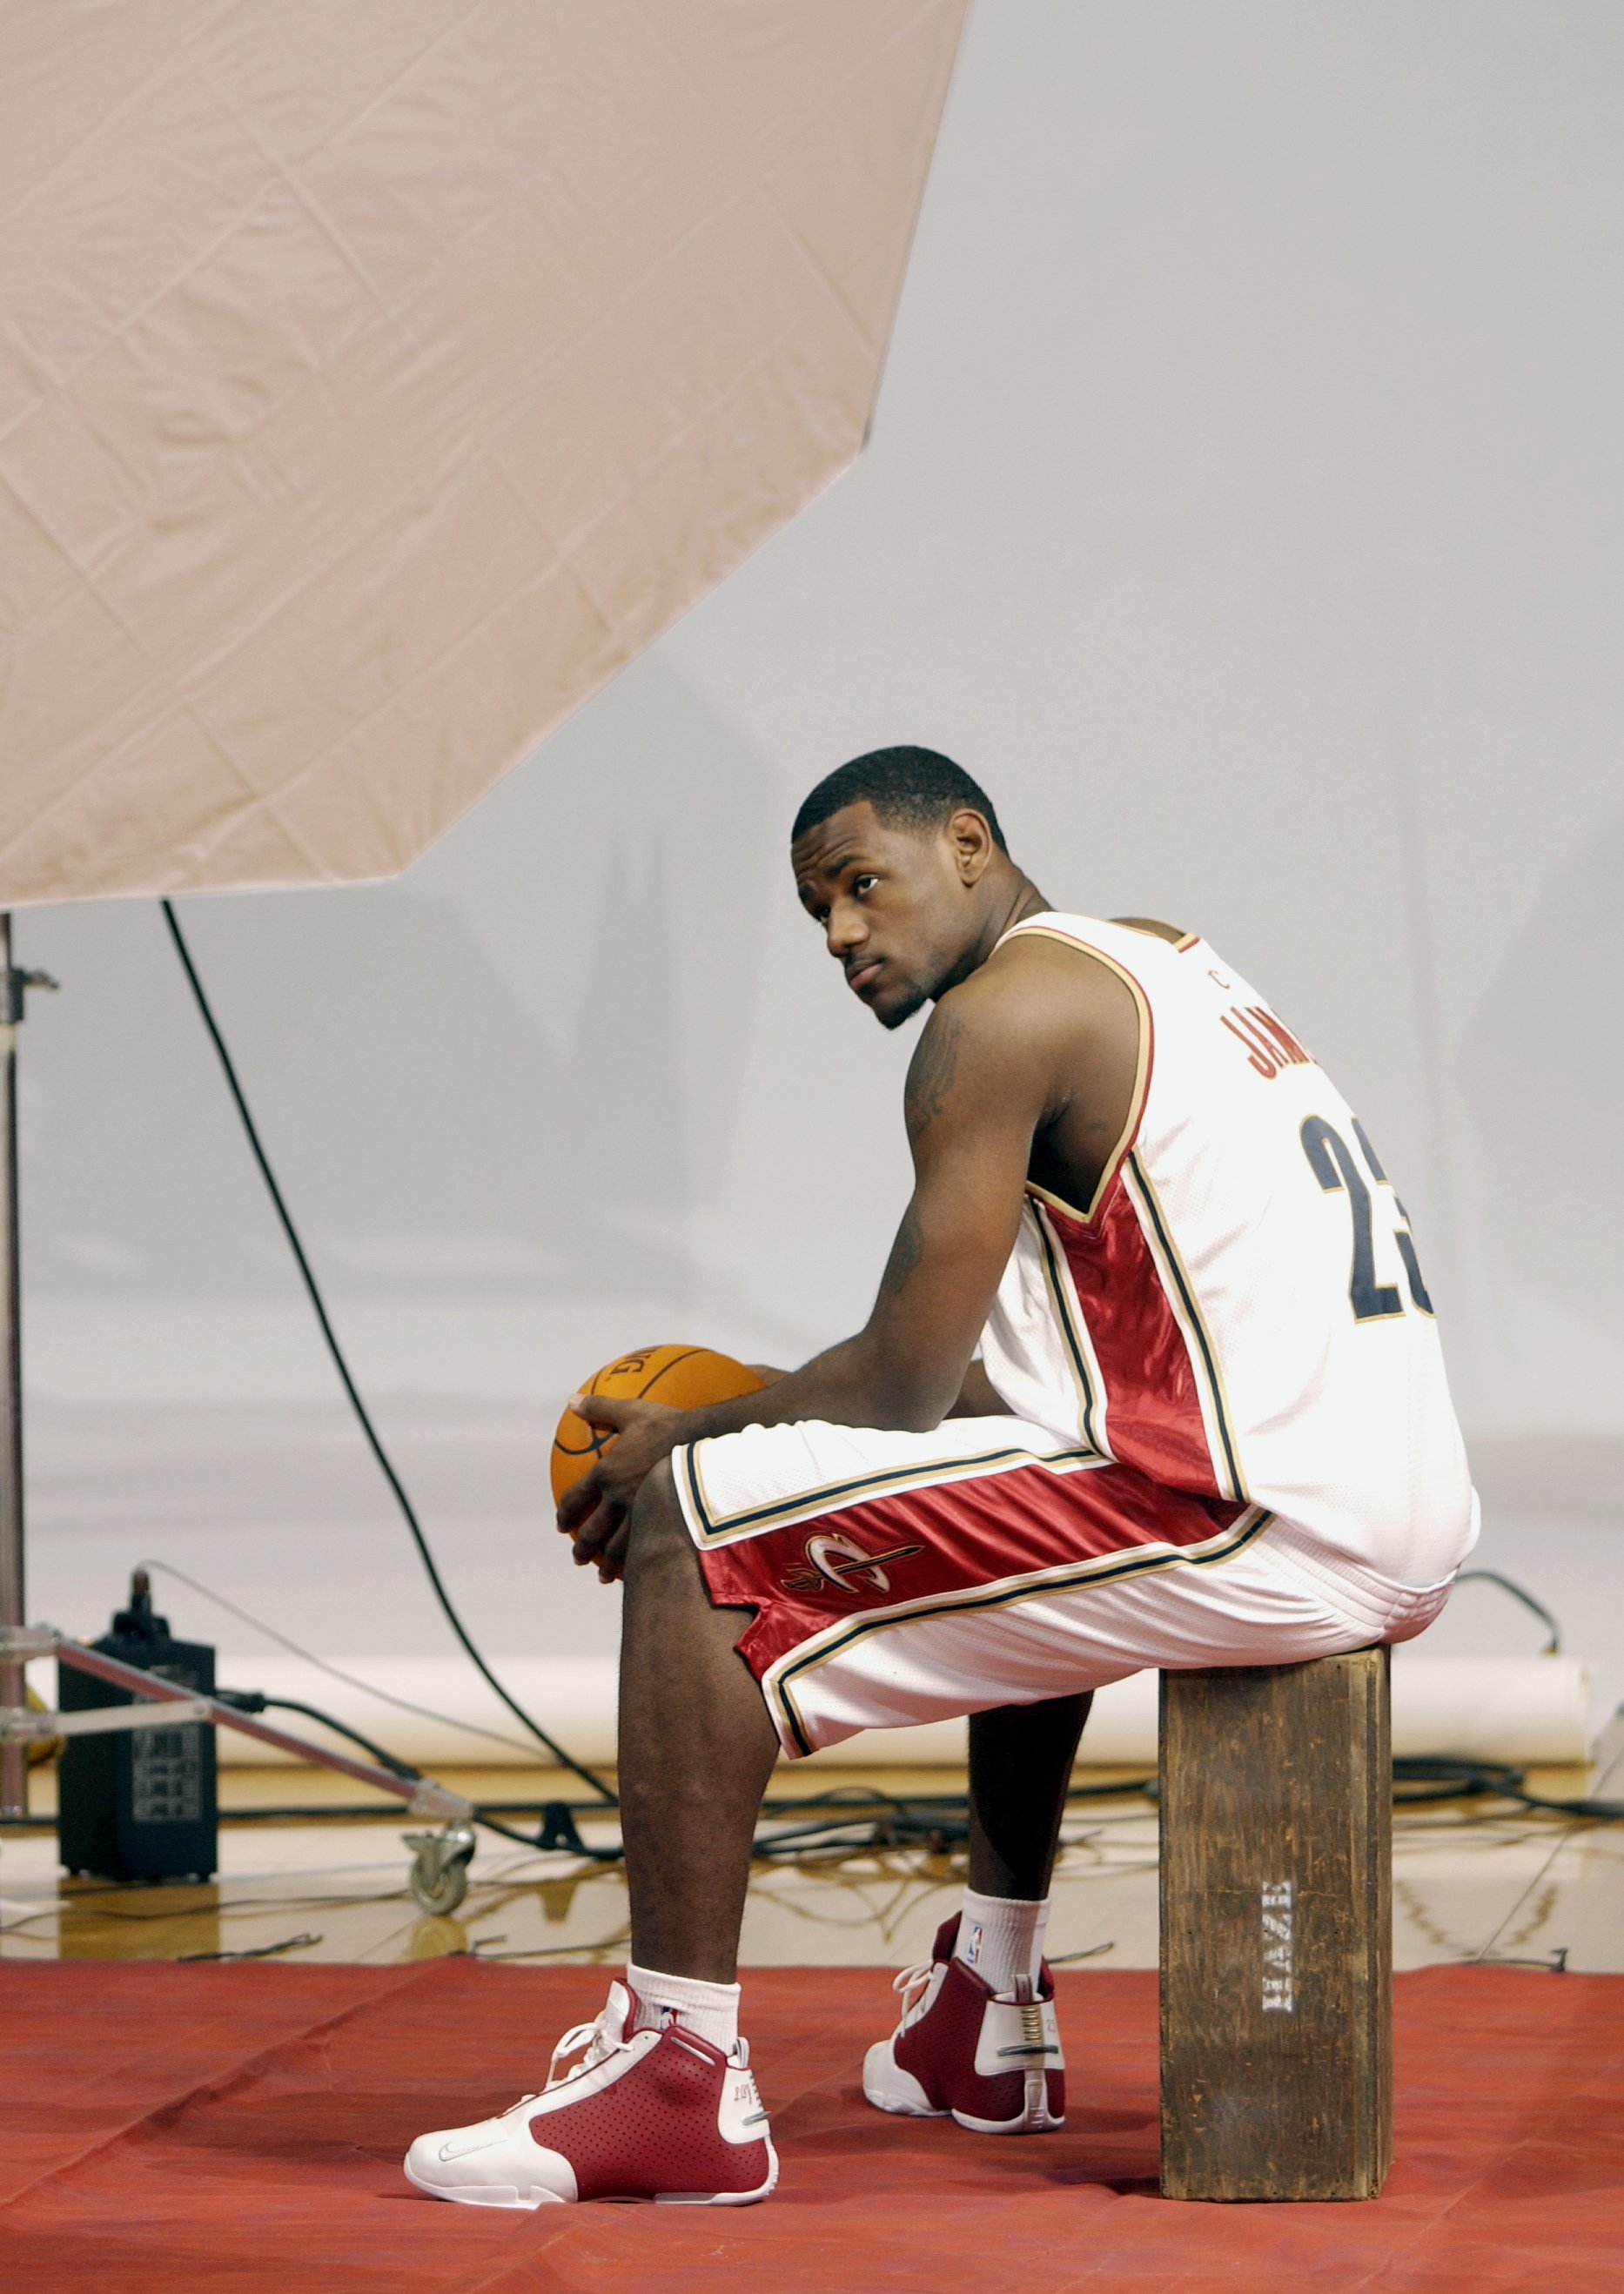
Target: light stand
{"x": 13, "y": 987}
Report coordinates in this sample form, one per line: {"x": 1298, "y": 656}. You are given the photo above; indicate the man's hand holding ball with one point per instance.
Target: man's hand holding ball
{"x": 615, "y": 1431}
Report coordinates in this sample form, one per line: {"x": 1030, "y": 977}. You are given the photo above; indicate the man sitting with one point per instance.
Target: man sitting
{"x": 1152, "y": 1379}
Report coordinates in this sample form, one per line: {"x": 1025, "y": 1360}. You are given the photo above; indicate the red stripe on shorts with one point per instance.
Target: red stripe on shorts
{"x": 947, "y": 1537}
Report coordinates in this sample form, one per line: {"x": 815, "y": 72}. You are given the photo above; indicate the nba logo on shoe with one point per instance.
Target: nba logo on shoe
{"x": 973, "y": 1950}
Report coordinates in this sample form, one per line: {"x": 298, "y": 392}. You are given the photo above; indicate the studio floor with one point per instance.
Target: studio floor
{"x": 238, "y": 2129}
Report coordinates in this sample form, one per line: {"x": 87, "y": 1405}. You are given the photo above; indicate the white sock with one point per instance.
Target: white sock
{"x": 1001, "y": 1937}
{"x": 712, "y": 2009}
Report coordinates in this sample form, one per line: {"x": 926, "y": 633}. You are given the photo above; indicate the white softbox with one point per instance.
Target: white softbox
{"x": 378, "y": 376}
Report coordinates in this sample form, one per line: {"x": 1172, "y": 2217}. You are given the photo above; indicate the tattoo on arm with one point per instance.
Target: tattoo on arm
{"x": 906, "y": 1252}
{"x": 930, "y": 1076}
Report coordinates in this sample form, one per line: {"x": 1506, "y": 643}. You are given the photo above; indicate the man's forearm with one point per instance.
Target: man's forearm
{"x": 844, "y": 1386}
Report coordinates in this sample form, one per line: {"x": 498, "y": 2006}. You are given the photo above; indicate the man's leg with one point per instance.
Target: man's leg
{"x": 1020, "y": 1758}
{"x": 979, "y": 2036}
{"x": 661, "y": 2103}
{"x": 696, "y": 1750}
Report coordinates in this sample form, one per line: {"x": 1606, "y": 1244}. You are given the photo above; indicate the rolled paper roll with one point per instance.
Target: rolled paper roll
{"x": 1488, "y": 1708}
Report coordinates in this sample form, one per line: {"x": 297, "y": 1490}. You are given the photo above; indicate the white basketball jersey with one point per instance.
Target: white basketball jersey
{"x": 1240, "y": 1311}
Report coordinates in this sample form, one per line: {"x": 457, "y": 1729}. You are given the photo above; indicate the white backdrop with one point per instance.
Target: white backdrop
{"x": 1246, "y": 508}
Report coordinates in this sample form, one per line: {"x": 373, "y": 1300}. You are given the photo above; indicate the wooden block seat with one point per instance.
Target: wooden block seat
{"x": 1277, "y": 1930}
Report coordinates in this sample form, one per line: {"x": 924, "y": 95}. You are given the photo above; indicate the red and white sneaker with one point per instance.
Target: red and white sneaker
{"x": 992, "y": 2060}
{"x": 644, "y": 2115}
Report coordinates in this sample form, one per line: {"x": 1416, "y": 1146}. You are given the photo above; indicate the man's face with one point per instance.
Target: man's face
{"x": 894, "y": 906}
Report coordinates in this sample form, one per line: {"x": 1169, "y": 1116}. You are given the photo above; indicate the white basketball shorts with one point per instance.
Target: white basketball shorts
{"x": 899, "y": 1578}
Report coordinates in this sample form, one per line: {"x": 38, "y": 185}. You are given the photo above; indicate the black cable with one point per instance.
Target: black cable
{"x": 303, "y": 1942}
{"x": 565, "y": 1760}
{"x": 1440, "y": 1778}
{"x": 558, "y": 1828}
{"x": 1553, "y": 1647}
{"x": 254, "y": 1700}
{"x": 861, "y": 1821}
{"x": 528, "y": 1838}
{"x": 848, "y": 1804}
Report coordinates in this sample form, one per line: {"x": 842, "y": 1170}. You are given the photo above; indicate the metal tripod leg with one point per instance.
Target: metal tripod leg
{"x": 440, "y": 1865}
{"x": 13, "y": 1756}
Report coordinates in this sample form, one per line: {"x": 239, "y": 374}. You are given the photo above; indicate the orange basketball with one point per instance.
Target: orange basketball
{"x": 685, "y": 1376}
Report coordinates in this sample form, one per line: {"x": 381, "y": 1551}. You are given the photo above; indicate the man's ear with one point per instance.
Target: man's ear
{"x": 970, "y": 842}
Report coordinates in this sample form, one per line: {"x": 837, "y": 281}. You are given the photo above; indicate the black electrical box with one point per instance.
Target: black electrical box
{"x": 139, "y": 1803}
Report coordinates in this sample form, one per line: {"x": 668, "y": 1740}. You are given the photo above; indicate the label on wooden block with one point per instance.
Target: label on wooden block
{"x": 1278, "y": 1971}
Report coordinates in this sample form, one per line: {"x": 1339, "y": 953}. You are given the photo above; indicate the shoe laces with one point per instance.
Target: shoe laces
{"x": 600, "y": 2039}
{"x": 913, "y": 1980}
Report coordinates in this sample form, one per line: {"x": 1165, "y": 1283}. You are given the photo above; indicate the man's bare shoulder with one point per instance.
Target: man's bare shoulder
{"x": 1043, "y": 1032}
{"x": 1037, "y": 982}
{"x": 1031, "y": 1010}
{"x": 991, "y": 1041}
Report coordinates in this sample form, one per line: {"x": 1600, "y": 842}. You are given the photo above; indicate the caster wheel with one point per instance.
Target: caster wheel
{"x": 439, "y": 1875}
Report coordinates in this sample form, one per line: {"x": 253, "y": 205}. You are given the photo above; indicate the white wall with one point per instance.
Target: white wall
{"x": 1246, "y": 508}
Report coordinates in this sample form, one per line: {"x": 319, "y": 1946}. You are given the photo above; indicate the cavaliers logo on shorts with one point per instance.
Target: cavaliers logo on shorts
{"x": 842, "y": 1562}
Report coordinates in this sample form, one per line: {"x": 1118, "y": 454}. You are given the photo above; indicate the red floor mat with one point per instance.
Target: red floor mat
{"x": 167, "y": 2128}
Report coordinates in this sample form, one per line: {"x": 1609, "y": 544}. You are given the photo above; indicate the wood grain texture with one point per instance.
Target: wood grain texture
{"x": 1276, "y": 1931}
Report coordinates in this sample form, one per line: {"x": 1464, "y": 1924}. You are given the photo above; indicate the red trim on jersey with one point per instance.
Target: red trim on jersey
{"x": 1153, "y": 1404}
{"x": 947, "y": 1537}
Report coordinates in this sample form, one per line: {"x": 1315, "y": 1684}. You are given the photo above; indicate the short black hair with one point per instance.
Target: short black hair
{"x": 915, "y": 789}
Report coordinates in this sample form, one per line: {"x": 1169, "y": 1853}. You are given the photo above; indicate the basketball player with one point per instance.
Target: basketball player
{"x": 1152, "y": 1379}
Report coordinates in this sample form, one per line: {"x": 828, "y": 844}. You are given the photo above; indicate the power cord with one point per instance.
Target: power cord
{"x": 254, "y": 1700}
{"x": 1553, "y": 1647}
{"x": 363, "y": 1419}
{"x": 1419, "y": 1778}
